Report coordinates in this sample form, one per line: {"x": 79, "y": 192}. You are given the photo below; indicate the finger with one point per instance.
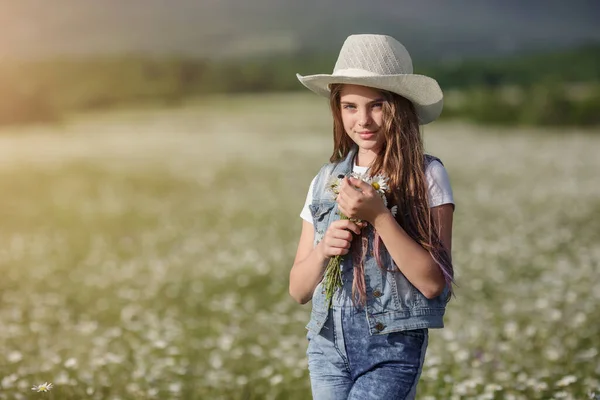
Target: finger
{"x": 341, "y": 202}
{"x": 349, "y": 225}
{"x": 355, "y": 228}
{"x": 358, "y": 183}
{"x": 345, "y": 204}
{"x": 336, "y": 251}
{"x": 349, "y": 185}
{"x": 338, "y": 243}
{"x": 338, "y": 232}
{"x": 344, "y": 211}
{"x": 343, "y": 252}
{"x": 350, "y": 191}
{"x": 342, "y": 234}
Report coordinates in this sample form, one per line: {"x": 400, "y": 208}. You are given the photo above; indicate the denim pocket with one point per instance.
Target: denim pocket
{"x": 412, "y": 338}
{"x": 320, "y": 212}
{"x": 320, "y": 209}
{"x": 420, "y": 301}
{"x": 401, "y": 291}
{"x": 417, "y": 333}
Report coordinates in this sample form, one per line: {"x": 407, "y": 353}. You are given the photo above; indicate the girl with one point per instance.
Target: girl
{"x": 369, "y": 340}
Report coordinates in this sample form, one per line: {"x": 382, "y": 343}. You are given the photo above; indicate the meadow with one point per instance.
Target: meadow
{"x": 145, "y": 254}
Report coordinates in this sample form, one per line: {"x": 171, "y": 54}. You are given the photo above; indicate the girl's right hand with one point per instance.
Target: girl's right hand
{"x": 338, "y": 237}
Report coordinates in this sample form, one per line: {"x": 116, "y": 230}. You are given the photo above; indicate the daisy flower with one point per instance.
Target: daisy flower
{"x": 379, "y": 183}
{"x": 333, "y": 185}
{"x": 357, "y": 175}
{"x": 44, "y": 387}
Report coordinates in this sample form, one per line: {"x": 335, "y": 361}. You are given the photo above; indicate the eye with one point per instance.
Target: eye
{"x": 348, "y": 106}
{"x": 377, "y": 105}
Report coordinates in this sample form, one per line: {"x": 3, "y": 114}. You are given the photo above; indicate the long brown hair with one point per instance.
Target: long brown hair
{"x": 401, "y": 159}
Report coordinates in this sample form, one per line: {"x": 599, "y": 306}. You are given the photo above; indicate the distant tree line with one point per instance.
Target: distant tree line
{"x": 547, "y": 89}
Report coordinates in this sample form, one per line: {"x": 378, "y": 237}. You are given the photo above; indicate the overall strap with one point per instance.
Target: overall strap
{"x": 331, "y": 170}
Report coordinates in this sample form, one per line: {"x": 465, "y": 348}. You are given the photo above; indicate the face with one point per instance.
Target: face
{"x": 362, "y": 116}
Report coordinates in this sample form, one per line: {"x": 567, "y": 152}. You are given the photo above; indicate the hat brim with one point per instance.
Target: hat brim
{"x": 424, "y": 92}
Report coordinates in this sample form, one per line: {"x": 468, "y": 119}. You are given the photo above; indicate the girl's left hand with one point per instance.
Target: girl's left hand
{"x": 358, "y": 199}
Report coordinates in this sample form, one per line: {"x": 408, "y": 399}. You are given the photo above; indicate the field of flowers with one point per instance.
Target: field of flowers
{"x": 144, "y": 254}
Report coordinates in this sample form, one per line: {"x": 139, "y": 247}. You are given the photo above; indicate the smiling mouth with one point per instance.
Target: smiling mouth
{"x": 366, "y": 134}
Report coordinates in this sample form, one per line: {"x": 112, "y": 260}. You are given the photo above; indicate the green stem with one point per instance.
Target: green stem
{"x": 333, "y": 273}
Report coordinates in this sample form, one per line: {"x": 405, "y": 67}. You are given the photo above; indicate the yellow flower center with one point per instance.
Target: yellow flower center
{"x": 375, "y": 185}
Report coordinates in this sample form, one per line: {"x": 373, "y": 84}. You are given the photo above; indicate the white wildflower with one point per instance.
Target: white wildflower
{"x": 552, "y": 354}
{"x": 566, "y": 381}
{"x": 587, "y": 354}
{"x": 44, "y": 387}
{"x": 14, "y": 357}
{"x": 8, "y": 381}
{"x": 241, "y": 380}
{"x": 362, "y": 177}
{"x": 71, "y": 363}
{"x": 538, "y": 386}
{"x": 379, "y": 183}
{"x": 276, "y": 379}
{"x": 333, "y": 185}
{"x": 579, "y": 319}
{"x": 175, "y": 387}
{"x": 462, "y": 355}
{"x": 511, "y": 329}
{"x": 394, "y": 210}
{"x": 62, "y": 378}
{"x": 385, "y": 202}
{"x": 492, "y": 387}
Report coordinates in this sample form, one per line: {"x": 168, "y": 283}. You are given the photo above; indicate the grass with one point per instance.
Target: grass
{"x": 145, "y": 254}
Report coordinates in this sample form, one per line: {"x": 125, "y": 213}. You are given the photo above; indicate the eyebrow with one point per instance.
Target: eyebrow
{"x": 380, "y": 100}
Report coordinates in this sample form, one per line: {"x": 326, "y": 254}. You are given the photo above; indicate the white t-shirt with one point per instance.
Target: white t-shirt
{"x": 438, "y": 182}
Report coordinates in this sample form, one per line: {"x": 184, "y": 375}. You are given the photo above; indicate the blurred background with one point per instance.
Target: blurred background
{"x": 155, "y": 156}
{"x": 533, "y": 63}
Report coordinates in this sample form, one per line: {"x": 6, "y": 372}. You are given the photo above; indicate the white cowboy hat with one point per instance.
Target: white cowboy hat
{"x": 381, "y": 62}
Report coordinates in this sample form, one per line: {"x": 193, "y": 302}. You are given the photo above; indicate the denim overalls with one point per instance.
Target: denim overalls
{"x": 368, "y": 352}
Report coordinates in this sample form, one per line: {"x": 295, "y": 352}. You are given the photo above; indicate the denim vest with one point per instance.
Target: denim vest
{"x": 393, "y": 303}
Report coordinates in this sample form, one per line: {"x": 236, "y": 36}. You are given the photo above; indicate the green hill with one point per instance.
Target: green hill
{"x": 45, "y": 90}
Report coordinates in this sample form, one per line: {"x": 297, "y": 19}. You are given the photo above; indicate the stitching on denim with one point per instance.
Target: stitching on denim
{"x": 335, "y": 343}
{"x": 413, "y": 389}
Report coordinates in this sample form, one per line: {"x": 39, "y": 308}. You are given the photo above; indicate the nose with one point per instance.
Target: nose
{"x": 364, "y": 118}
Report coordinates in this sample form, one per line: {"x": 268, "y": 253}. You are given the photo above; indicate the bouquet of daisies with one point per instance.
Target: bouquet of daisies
{"x": 333, "y": 271}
